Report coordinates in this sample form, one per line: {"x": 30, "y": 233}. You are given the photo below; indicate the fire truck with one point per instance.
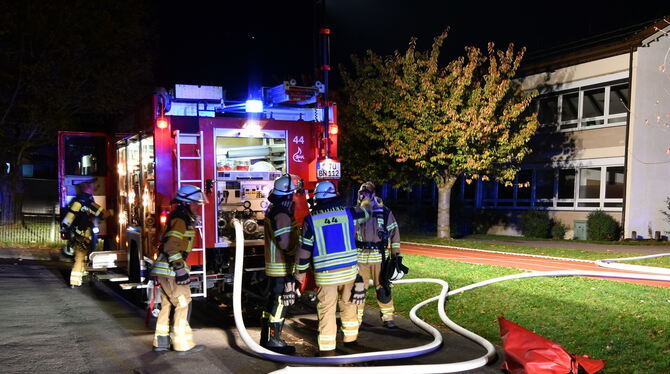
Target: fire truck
{"x": 233, "y": 151}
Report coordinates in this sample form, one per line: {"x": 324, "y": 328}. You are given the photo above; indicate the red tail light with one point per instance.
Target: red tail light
{"x": 162, "y": 123}
{"x": 163, "y": 217}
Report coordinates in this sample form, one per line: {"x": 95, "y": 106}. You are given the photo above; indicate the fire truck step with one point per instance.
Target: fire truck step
{"x": 112, "y": 277}
{"x": 254, "y": 269}
{"x": 189, "y": 180}
{"x": 133, "y": 286}
{"x": 189, "y": 158}
{"x": 95, "y": 270}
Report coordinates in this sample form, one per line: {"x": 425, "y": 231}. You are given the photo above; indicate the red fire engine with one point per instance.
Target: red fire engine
{"x": 191, "y": 135}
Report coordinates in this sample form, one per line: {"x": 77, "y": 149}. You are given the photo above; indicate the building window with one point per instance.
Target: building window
{"x": 593, "y": 110}
{"x": 490, "y": 193}
{"x": 548, "y": 110}
{"x": 589, "y": 183}
{"x": 524, "y": 183}
{"x": 569, "y": 104}
{"x": 619, "y": 97}
{"x": 544, "y": 184}
{"x": 589, "y": 188}
{"x": 506, "y": 194}
{"x": 614, "y": 183}
{"x": 585, "y": 107}
{"x": 598, "y": 187}
{"x": 566, "y": 184}
{"x": 469, "y": 189}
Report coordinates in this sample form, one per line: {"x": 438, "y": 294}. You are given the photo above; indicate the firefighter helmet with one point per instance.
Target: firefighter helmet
{"x": 285, "y": 185}
{"x": 190, "y": 194}
{"x": 395, "y": 268}
{"x": 367, "y": 187}
{"x": 325, "y": 190}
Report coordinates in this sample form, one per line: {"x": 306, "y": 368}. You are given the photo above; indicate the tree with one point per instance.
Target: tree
{"x": 468, "y": 117}
{"x": 72, "y": 65}
{"x": 363, "y": 158}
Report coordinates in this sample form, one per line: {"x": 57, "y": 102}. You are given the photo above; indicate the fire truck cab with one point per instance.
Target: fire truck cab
{"x": 233, "y": 151}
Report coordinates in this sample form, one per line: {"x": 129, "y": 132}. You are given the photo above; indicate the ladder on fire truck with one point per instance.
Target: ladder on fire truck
{"x": 197, "y": 140}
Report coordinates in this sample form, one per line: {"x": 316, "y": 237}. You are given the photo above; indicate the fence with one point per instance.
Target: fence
{"x": 36, "y": 228}
{"x": 40, "y": 214}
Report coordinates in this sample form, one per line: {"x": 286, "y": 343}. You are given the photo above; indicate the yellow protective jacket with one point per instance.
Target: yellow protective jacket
{"x": 79, "y": 218}
{"x": 367, "y": 237}
{"x": 282, "y": 236}
{"x": 177, "y": 242}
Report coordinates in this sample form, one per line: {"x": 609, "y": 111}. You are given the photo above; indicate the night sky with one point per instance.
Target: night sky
{"x": 242, "y": 45}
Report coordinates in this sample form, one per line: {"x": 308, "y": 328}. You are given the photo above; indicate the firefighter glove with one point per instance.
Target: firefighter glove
{"x": 358, "y": 294}
{"x": 290, "y": 292}
{"x": 182, "y": 276}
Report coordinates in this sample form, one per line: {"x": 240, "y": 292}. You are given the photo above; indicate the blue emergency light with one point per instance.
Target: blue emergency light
{"x": 254, "y": 106}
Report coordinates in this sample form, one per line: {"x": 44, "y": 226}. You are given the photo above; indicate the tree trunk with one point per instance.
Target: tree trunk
{"x": 345, "y": 189}
{"x": 443, "y": 205}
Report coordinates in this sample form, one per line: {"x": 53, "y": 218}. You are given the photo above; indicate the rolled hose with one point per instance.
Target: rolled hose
{"x": 401, "y": 353}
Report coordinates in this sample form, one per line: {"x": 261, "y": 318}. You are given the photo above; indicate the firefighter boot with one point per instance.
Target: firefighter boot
{"x": 264, "y": 333}
{"x": 162, "y": 343}
{"x": 275, "y": 343}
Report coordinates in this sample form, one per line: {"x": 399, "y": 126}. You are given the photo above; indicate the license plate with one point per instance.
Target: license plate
{"x": 328, "y": 169}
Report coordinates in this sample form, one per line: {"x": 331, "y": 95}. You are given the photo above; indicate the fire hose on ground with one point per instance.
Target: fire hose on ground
{"x": 399, "y": 353}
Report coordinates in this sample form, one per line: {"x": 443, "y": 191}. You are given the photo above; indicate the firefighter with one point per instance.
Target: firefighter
{"x": 172, "y": 273}
{"x": 372, "y": 238}
{"x": 79, "y": 228}
{"x": 281, "y": 241}
{"x": 328, "y": 244}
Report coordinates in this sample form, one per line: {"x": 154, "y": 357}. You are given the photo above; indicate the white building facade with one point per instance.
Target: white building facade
{"x": 603, "y": 141}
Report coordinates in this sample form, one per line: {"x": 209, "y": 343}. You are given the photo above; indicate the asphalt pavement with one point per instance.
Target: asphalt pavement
{"x": 47, "y": 327}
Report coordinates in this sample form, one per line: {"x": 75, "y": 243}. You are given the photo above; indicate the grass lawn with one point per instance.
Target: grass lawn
{"x": 628, "y": 325}
{"x": 529, "y": 249}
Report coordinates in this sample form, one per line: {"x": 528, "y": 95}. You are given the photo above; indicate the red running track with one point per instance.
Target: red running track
{"x": 516, "y": 261}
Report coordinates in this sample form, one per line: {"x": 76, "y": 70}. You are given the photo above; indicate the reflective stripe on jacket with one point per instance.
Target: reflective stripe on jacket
{"x": 177, "y": 244}
{"x": 162, "y": 267}
{"x": 334, "y": 254}
{"x": 280, "y": 262}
